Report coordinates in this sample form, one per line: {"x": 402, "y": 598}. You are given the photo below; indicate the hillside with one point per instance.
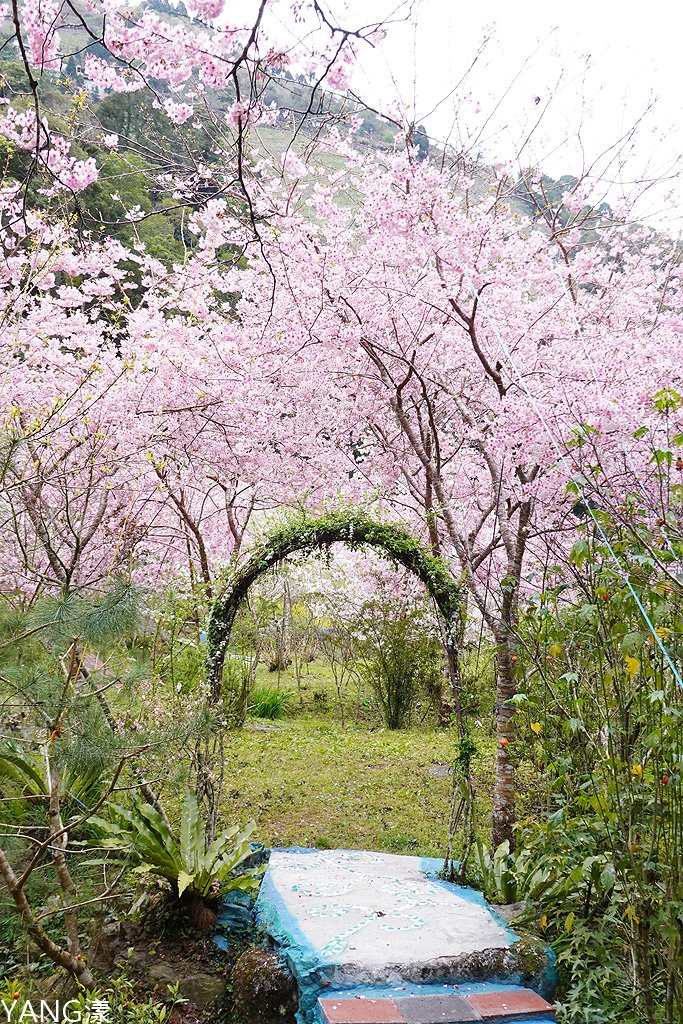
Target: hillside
{"x": 133, "y": 173}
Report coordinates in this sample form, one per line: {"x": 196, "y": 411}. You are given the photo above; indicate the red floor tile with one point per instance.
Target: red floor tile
{"x": 360, "y": 1011}
{"x": 511, "y": 1003}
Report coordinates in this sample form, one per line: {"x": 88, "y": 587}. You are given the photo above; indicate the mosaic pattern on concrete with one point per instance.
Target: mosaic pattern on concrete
{"x": 375, "y": 938}
{"x": 372, "y": 909}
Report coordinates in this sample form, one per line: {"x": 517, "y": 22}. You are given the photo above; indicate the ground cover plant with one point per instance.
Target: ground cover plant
{"x": 396, "y": 789}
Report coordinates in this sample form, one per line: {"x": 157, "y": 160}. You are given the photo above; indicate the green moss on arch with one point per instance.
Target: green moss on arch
{"x": 307, "y": 534}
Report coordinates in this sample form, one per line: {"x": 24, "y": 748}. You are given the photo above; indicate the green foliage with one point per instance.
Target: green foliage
{"x": 135, "y": 117}
{"x": 506, "y": 877}
{"x": 124, "y": 185}
{"x": 494, "y": 873}
{"x": 569, "y": 888}
{"x": 600, "y": 715}
{"x": 267, "y": 702}
{"x": 236, "y": 688}
{"x": 23, "y": 779}
{"x": 187, "y": 862}
{"x": 583, "y": 906}
{"x": 125, "y": 1005}
{"x": 305, "y": 535}
{"x": 76, "y": 720}
{"x": 100, "y": 622}
{"x": 44, "y": 655}
{"x": 402, "y": 659}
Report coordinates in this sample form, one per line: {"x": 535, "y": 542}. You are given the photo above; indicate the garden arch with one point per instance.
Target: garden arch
{"x": 307, "y": 534}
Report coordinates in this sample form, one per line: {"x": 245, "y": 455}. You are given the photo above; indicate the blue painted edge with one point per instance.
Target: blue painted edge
{"x": 544, "y": 983}
{"x": 416, "y": 988}
{"x": 282, "y": 926}
{"x": 431, "y": 866}
{"x": 303, "y": 959}
{"x": 320, "y": 1019}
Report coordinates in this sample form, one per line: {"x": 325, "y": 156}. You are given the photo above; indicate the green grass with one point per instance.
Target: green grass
{"x": 269, "y": 703}
{"x": 308, "y": 782}
{"x": 317, "y": 692}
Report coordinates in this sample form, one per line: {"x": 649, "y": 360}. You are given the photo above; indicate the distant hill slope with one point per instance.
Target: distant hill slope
{"x": 150, "y": 147}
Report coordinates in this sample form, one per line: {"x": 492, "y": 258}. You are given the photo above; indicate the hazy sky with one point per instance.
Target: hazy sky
{"x": 591, "y": 69}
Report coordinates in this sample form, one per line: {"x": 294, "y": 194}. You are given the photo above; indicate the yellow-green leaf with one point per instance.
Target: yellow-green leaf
{"x": 183, "y": 881}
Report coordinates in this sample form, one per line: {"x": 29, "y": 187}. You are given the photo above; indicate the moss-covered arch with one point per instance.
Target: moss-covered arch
{"x": 307, "y": 534}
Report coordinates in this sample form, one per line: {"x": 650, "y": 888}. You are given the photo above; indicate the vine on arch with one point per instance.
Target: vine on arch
{"x": 307, "y": 534}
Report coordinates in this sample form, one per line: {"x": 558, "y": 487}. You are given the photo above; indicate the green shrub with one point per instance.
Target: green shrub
{"x": 23, "y": 778}
{"x": 402, "y": 660}
{"x": 269, "y": 703}
{"x": 124, "y": 1005}
{"x": 506, "y": 877}
{"x": 599, "y": 717}
{"x": 236, "y": 683}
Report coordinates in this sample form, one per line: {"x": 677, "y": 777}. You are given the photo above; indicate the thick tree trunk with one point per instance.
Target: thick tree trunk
{"x": 504, "y": 811}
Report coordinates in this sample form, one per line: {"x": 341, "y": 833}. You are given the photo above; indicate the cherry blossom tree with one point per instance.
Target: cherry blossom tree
{"x": 462, "y": 362}
{"x": 141, "y": 429}
{"x": 207, "y": 79}
{"x": 396, "y": 333}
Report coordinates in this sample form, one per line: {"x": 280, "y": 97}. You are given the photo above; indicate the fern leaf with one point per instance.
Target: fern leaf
{"x": 184, "y": 880}
{"x": 191, "y": 835}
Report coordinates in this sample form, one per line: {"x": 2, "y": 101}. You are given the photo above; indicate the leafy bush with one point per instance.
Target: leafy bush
{"x": 402, "y": 659}
{"x": 506, "y": 877}
{"x": 124, "y": 1005}
{"x": 187, "y": 862}
{"x": 23, "y": 779}
{"x": 494, "y": 873}
{"x": 568, "y": 883}
{"x": 601, "y": 719}
{"x": 236, "y": 683}
{"x": 65, "y": 749}
{"x": 269, "y": 703}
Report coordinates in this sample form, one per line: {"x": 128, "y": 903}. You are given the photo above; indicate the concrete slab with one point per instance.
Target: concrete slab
{"x": 374, "y": 910}
{"x": 358, "y": 926}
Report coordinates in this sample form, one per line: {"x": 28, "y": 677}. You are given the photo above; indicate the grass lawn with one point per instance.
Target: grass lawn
{"x": 308, "y": 781}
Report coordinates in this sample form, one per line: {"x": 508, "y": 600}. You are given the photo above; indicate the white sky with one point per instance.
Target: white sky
{"x": 593, "y": 66}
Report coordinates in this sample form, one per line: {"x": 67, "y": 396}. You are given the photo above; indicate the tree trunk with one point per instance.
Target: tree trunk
{"x": 59, "y": 843}
{"x": 504, "y": 813}
{"x": 75, "y": 965}
{"x": 281, "y": 659}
